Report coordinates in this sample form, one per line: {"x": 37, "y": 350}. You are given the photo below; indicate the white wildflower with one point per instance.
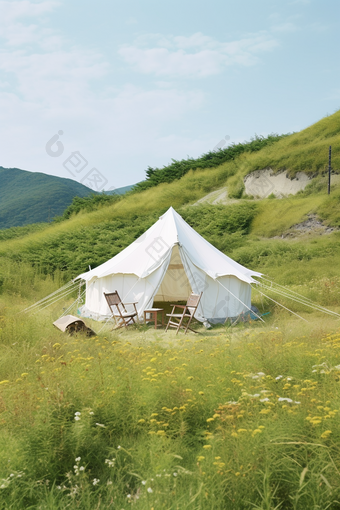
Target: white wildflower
{"x": 77, "y": 418}
{"x": 175, "y": 474}
{"x": 78, "y": 459}
{"x": 143, "y": 482}
{"x": 150, "y": 491}
{"x": 95, "y": 481}
{"x": 264, "y": 399}
{"x": 278, "y": 377}
{"x": 77, "y": 413}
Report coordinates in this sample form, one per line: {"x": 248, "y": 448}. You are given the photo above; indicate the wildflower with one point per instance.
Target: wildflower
{"x": 175, "y": 474}
{"x": 278, "y": 377}
{"x": 81, "y": 468}
{"x": 264, "y": 399}
{"x": 101, "y": 425}
{"x": 201, "y": 392}
{"x": 283, "y": 399}
{"x": 77, "y": 418}
{"x": 78, "y": 459}
{"x": 200, "y": 458}
{"x": 150, "y": 491}
{"x": 128, "y": 496}
{"x": 325, "y": 434}
{"x": 118, "y": 447}
{"x": 207, "y": 446}
{"x": 143, "y": 482}
{"x": 77, "y": 413}
{"x": 256, "y": 431}
{"x": 91, "y": 412}
{"x": 95, "y": 481}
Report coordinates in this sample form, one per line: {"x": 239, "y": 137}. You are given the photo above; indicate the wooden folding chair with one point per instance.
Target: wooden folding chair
{"x": 184, "y": 319}
{"x": 119, "y": 312}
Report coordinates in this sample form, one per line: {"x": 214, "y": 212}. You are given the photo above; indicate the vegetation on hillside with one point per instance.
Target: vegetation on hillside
{"x": 87, "y": 204}
{"x": 177, "y": 169}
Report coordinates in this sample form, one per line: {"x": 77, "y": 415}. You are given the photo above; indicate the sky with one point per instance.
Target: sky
{"x": 99, "y": 91}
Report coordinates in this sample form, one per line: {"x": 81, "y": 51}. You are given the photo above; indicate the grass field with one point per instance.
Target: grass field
{"x": 239, "y": 418}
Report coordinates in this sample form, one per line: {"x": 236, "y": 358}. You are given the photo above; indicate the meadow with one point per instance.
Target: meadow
{"x": 234, "y": 417}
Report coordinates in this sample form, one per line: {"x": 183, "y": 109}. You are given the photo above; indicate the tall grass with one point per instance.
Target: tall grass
{"x": 228, "y": 419}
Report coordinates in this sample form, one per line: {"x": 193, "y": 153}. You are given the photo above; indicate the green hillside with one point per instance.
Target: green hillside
{"x": 92, "y": 237}
{"x": 33, "y": 197}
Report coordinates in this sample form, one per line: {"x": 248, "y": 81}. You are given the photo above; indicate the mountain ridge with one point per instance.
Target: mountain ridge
{"x": 35, "y": 197}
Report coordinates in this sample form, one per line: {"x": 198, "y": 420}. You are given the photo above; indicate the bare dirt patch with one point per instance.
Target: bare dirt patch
{"x": 311, "y": 226}
{"x": 262, "y": 183}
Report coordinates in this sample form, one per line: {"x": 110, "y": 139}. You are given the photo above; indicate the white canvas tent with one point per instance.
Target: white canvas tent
{"x": 167, "y": 263}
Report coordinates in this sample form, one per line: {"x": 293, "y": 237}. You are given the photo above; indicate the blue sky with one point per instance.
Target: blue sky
{"x": 133, "y": 84}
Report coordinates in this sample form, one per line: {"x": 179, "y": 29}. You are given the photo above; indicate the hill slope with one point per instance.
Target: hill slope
{"x": 32, "y": 197}
{"x": 242, "y": 230}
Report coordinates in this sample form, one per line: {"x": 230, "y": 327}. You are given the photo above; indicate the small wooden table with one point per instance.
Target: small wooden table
{"x": 153, "y": 312}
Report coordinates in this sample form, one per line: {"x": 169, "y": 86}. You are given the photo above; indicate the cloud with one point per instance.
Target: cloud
{"x": 196, "y": 56}
{"x": 284, "y": 27}
{"x": 47, "y": 84}
{"x": 14, "y": 31}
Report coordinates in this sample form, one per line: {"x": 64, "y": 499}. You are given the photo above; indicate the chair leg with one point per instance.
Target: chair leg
{"x": 180, "y": 324}
{"x": 187, "y": 326}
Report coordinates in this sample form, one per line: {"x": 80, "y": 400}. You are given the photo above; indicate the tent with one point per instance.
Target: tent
{"x": 167, "y": 263}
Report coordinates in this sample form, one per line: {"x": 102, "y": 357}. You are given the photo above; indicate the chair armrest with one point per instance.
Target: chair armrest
{"x": 179, "y": 306}
{"x": 128, "y": 303}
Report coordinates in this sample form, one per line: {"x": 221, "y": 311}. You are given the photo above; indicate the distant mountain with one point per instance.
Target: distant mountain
{"x": 33, "y": 197}
{"x": 120, "y": 191}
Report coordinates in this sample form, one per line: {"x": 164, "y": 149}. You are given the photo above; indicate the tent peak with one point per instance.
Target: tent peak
{"x": 171, "y": 210}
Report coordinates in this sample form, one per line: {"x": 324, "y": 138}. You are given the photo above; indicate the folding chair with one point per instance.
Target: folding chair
{"x": 184, "y": 319}
{"x": 119, "y": 313}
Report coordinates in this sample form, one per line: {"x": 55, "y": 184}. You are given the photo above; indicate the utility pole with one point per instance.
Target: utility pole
{"x": 329, "y": 169}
